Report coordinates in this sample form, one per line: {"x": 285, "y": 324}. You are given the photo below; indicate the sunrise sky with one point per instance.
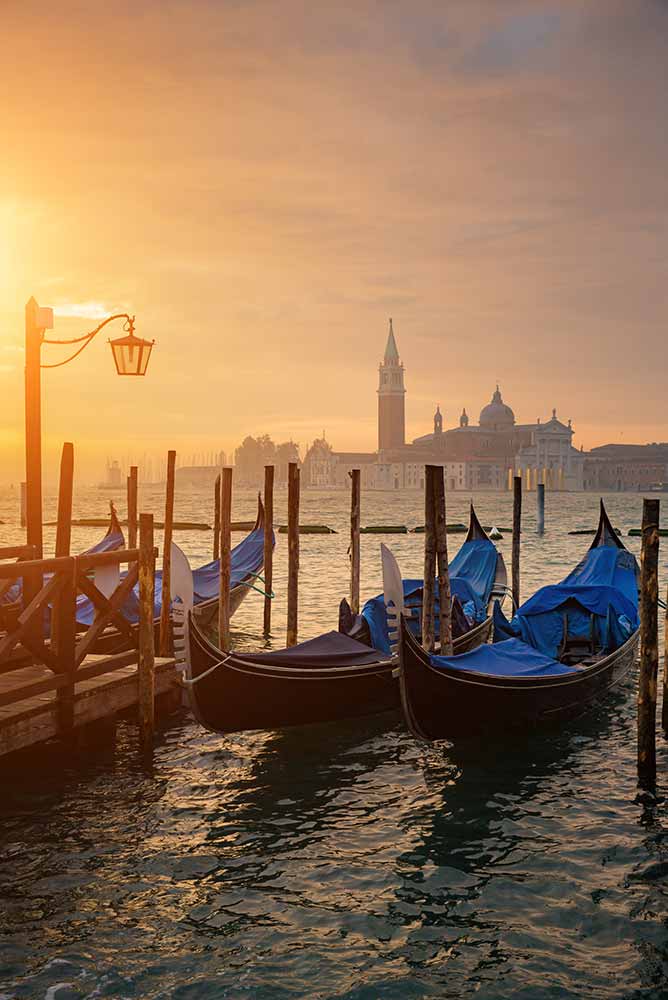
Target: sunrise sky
{"x": 263, "y": 184}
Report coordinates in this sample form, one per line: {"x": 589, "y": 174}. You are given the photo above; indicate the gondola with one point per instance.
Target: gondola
{"x": 478, "y": 577}
{"x": 11, "y": 598}
{"x": 247, "y": 560}
{"x": 563, "y": 650}
{"x": 331, "y": 677}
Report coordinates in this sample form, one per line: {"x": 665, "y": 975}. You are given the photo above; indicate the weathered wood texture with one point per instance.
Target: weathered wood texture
{"x": 293, "y": 554}
{"x": 517, "y": 534}
{"x": 268, "y": 545}
{"x": 132, "y": 507}
{"x": 146, "y": 664}
{"x": 165, "y": 617}
{"x": 444, "y": 594}
{"x": 225, "y": 558}
{"x": 664, "y": 706}
{"x": 355, "y": 516}
{"x": 105, "y": 685}
{"x": 65, "y": 489}
{"x": 216, "y": 519}
{"x": 649, "y": 643}
{"x": 33, "y": 420}
{"x": 429, "y": 559}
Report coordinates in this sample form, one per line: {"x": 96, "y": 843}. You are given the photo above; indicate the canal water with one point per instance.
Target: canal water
{"x": 340, "y": 861}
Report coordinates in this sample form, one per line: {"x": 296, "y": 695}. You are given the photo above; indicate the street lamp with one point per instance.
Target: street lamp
{"x": 131, "y": 356}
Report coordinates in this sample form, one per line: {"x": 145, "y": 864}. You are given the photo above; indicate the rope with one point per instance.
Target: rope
{"x": 190, "y": 681}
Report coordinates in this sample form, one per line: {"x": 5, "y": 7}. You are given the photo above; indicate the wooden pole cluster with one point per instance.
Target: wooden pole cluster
{"x": 65, "y": 489}
{"x": 517, "y": 532}
{"x": 355, "y": 515}
{"x": 293, "y": 554}
{"x": 165, "y": 616}
{"x": 146, "y": 664}
{"x": 649, "y": 643}
{"x": 225, "y": 558}
{"x": 540, "y": 511}
{"x": 268, "y": 545}
{"x": 132, "y": 484}
{"x": 429, "y": 559}
{"x": 444, "y": 593}
{"x": 216, "y": 519}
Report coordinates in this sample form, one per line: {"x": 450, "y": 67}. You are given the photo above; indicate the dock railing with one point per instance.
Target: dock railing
{"x": 40, "y": 626}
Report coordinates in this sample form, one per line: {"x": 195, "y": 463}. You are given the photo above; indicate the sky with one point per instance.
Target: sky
{"x": 264, "y": 183}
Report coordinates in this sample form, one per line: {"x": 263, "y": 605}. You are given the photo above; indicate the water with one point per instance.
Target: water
{"x": 340, "y": 861}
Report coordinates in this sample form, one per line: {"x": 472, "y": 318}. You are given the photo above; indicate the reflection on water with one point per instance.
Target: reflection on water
{"x": 344, "y": 860}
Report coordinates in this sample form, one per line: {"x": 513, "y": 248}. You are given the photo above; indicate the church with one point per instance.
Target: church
{"x": 482, "y": 456}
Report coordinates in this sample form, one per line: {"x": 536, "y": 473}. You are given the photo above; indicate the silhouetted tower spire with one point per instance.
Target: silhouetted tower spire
{"x": 391, "y": 402}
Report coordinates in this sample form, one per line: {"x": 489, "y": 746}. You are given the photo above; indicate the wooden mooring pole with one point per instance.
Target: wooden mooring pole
{"x": 429, "y": 559}
{"x": 216, "y": 519}
{"x": 444, "y": 593}
{"x": 355, "y": 515}
{"x": 517, "y": 533}
{"x": 540, "y": 508}
{"x": 146, "y": 664}
{"x": 132, "y": 507}
{"x": 293, "y": 554}
{"x": 649, "y": 644}
{"x": 225, "y": 558}
{"x": 165, "y": 616}
{"x": 268, "y": 545}
{"x": 664, "y": 706}
{"x": 65, "y": 489}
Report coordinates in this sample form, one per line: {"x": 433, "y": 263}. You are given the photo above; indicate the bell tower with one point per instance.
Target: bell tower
{"x": 391, "y": 402}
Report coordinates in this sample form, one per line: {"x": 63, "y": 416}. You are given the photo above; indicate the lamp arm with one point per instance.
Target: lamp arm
{"x": 87, "y": 337}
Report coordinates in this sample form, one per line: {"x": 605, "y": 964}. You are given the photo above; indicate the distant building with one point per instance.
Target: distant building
{"x": 626, "y": 467}
{"x": 475, "y": 457}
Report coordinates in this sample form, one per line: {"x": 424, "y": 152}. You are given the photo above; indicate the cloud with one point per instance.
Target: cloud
{"x": 82, "y": 310}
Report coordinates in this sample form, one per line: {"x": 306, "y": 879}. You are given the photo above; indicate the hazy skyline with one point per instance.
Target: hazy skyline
{"x": 265, "y": 184}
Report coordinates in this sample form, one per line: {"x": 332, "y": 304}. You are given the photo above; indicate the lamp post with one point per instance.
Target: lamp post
{"x": 131, "y": 356}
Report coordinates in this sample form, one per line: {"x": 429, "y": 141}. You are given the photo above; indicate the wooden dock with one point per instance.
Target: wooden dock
{"x": 35, "y": 719}
{"x": 57, "y": 676}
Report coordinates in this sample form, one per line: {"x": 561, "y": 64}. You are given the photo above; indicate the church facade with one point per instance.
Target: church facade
{"x": 482, "y": 456}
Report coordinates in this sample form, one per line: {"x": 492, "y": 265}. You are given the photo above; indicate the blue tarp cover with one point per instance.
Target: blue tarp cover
{"x": 603, "y": 585}
{"x": 330, "y": 650}
{"x": 472, "y": 574}
{"x": 511, "y": 658}
{"x": 247, "y": 557}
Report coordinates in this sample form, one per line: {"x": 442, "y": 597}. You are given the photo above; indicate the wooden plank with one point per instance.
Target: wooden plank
{"x": 117, "y": 556}
{"x": 146, "y": 678}
{"x": 355, "y": 515}
{"x": 109, "y": 613}
{"x": 293, "y": 554}
{"x": 268, "y": 545}
{"x": 17, "y": 552}
{"x": 32, "y": 568}
{"x": 649, "y": 644}
{"x": 165, "y": 617}
{"x": 225, "y": 568}
{"x": 64, "y": 528}
{"x": 26, "y": 618}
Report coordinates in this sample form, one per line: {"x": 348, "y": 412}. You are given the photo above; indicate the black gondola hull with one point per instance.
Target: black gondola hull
{"x": 444, "y": 703}
{"x": 239, "y": 694}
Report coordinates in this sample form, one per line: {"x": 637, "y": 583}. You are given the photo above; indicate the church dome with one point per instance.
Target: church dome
{"x": 496, "y": 415}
